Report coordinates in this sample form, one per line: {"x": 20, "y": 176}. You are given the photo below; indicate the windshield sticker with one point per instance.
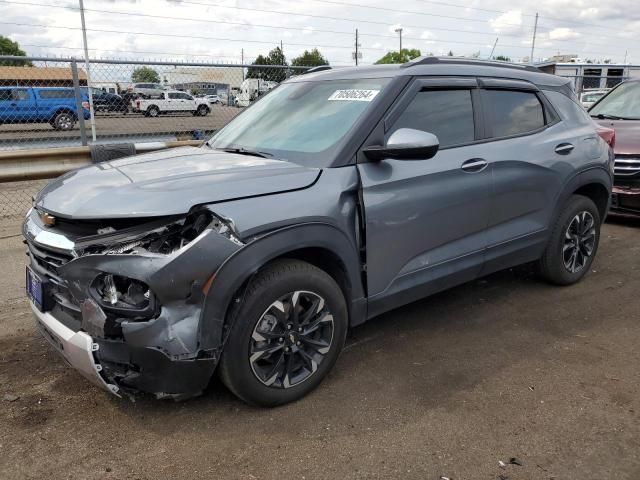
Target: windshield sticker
{"x": 354, "y": 95}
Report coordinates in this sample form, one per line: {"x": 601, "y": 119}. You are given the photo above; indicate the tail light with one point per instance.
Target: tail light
{"x": 607, "y": 134}
{"x": 85, "y": 105}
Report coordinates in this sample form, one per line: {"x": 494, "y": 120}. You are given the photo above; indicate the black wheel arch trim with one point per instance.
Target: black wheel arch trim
{"x": 598, "y": 175}
{"x": 238, "y": 268}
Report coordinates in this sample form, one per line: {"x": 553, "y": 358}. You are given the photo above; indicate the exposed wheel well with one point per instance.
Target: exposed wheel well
{"x": 598, "y": 193}
{"x": 319, "y": 257}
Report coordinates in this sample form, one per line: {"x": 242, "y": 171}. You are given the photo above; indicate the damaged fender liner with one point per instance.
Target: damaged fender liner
{"x": 150, "y": 370}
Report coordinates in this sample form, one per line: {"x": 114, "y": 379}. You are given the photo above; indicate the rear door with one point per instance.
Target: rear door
{"x": 531, "y": 159}
{"x": 426, "y": 219}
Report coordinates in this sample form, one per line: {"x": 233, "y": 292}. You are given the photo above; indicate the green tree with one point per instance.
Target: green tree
{"x": 9, "y": 47}
{"x": 275, "y": 57}
{"x": 400, "y": 57}
{"x": 450, "y": 54}
{"x": 502, "y": 58}
{"x": 311, "y": 58}
{"x": 145, "y": 74}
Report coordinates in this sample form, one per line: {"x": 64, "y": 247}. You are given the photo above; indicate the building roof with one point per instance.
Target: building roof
{"x": 39, "y": 73}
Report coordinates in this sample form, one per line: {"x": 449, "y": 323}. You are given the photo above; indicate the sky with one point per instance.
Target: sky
{"x": 219, "y": 30}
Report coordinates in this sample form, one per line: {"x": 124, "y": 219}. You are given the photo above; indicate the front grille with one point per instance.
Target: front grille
{"x": 46, "y": 263}
{"x": 626, "y": 166}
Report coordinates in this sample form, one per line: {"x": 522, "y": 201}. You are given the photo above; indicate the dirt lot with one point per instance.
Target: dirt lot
{"x": 502, "y": 367}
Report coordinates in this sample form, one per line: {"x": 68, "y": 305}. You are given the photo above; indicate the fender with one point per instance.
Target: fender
{"x": 596, "y": 174}
{"x": 238, "y": 268}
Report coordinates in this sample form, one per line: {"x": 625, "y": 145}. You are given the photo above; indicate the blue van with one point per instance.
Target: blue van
{"x": 53, "y": 105}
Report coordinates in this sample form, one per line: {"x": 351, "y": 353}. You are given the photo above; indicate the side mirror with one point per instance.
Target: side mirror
{"x": 405, "y": 144}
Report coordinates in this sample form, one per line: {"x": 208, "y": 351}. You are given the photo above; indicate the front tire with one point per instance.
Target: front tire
{"x": 202, "y": 111}
{"x": 286, "y": 334}
{"x": 153, "y": 111}
{"x": 573, "y": 243}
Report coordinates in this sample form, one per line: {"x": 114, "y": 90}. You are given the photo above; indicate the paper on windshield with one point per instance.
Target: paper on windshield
{"x": 354, "y": 95}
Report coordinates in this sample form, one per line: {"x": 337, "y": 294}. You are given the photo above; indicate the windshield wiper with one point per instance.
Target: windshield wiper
{"x": 606, "y": 116}
{"x": 245, "y": 151}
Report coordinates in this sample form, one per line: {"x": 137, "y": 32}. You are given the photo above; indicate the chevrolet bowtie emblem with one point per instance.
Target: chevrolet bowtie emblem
{"x": 47, "y": 220}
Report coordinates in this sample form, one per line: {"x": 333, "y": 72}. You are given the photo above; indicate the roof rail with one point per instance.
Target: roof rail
{"x": 318, "y": 69}
{"x": 466, "y": 61}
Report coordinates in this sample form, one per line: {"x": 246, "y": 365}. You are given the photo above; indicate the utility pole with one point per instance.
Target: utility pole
{"x": 533, "y": 41}
{"x": 357, "y": 52}
{"x": 493, "y": 49}
{"x": 242, "y": 62}
{"x": 86, "y": 65}
{"x": 399, "y": 31}
{"x": 282, "y": 51}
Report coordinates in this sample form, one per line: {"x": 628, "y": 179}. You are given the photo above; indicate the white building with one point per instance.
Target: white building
{"x": 210, "y": 80}
{"x": 591, "y": 75}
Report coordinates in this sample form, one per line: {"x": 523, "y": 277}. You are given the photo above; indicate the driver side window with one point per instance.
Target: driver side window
{"x": 448, "y": 114}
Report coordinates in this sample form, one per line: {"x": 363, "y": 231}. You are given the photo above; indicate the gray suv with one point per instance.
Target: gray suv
{"x": 340, "y": 195}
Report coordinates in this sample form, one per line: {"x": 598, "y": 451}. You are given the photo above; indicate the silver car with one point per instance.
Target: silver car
{"x": 147, "y": 90}
{"x": 337, "y": 197}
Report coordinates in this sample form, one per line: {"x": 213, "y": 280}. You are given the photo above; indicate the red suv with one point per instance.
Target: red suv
{"x": 620, "y": 110}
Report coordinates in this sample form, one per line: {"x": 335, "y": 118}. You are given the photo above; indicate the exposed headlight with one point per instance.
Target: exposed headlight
{"x": 122, "y": 294}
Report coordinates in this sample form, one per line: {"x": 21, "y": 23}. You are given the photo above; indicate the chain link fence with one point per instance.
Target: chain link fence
{"x": 48, "y": 102}
{"x": 54, "y": 102}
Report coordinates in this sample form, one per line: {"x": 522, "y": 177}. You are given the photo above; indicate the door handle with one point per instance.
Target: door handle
{"x": 474, "y": 165}
{"x": 564, "y": 149}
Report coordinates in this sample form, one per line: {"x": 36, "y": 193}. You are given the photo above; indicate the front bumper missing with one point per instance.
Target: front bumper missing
{"x": 77, "y": 348}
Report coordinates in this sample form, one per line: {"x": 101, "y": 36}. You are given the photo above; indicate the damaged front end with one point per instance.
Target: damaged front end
{"x": 133, "y": 291}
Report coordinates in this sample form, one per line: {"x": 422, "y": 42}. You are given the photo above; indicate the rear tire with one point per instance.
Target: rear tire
{"x": 573, "y": 242}
{"x": 63, "y": 121}
{"x": 286, "y": 334}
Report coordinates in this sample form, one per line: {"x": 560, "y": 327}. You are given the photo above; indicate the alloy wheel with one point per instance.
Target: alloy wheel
{"x": 291, "y": 339}
{"x": 579, "y": 242}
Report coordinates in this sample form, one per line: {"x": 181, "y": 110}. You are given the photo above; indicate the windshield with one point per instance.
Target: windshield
{"x": 622, "y": 103}
{"x": 303, "y": 122}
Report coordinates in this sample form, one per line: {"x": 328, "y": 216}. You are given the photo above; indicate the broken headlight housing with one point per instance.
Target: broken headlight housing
{"x": 124, "y": 295}
{"x": 159, "y": 237}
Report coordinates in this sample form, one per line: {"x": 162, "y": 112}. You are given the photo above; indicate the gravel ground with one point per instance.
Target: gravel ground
{"x": 449, "y": 386}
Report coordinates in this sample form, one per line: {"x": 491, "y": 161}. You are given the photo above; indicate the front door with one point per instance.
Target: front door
{"x": 426, "y": 220}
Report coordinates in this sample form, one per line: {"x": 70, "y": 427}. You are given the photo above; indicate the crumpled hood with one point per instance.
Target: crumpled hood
{"x": 627, "y": 135}
{"x": 168, "y": 182}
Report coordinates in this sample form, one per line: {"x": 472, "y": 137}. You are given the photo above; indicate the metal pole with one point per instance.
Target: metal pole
{"x": 493, "y": 49}
{"x": 356, "y": 47}
{"x": 533, "y": 41}
{"x": 242, "y": 62}
{"x": 79, "y": 109}
{"x": 86, "y": 65}
{"x": 282, "y": 51}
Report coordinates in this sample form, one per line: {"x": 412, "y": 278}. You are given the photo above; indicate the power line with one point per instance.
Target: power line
{"x": 197, "y": 37}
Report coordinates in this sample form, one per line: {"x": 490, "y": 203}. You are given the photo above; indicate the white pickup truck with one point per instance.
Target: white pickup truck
{"x": 171, "y": 101}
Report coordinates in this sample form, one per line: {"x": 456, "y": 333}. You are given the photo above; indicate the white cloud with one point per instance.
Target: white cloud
{"x": 563, "y": 33}
{"x": 508, "y": 22}
{"x": 427, "y": 35}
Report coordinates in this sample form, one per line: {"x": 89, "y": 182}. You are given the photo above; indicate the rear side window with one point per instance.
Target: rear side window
{"x": 174, "y": 95}
{"x": 448, "y": 114}
{"x": 56, "y": 93}
{"x": 569, "y": 110}
{"x": 514, "y": 113}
